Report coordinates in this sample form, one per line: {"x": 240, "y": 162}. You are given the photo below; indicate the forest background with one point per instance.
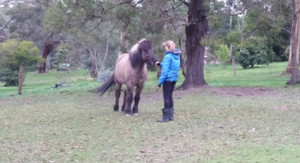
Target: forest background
{"x": 69, "y": 34}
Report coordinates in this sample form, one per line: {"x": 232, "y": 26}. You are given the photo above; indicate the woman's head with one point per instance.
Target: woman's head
{"x": 169, "y": 45}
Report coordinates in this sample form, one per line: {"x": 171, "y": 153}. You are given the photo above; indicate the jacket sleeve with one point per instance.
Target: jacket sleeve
{"x": 164, "y": 70}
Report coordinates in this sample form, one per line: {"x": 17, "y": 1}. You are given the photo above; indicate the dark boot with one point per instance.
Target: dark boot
{"x": 166, "y": 113}
{"x": 171, "y": 118}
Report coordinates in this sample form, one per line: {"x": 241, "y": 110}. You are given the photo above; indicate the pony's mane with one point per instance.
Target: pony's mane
{"x": 135, "y": 52}
{"x": 135, "y": 47}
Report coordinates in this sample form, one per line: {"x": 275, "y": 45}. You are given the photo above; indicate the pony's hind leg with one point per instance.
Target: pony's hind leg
{"x": 137, "y": 97}
{"x": 117, "y": 95}
{"x": 124, "y": 101}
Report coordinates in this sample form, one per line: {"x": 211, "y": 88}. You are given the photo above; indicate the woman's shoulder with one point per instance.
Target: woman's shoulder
{"x": 176, "y": 51}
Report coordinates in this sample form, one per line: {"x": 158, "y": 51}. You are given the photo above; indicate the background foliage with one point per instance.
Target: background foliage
{"x": 15, "y": 54}
{"x": 91, "y": 34}
{"x": 255, "y": 51}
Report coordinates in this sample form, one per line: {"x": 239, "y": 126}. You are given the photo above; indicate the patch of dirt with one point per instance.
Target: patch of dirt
{"x": 243, "y": 91}
{"x": 157, "y": 95}
{"x": 219, "y": 91}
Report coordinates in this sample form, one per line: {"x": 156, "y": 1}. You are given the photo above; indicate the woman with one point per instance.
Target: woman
{"x": 168, "y": 78}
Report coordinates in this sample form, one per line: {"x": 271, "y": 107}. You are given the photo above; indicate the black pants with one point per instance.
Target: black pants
{"x": 168, "y": 88}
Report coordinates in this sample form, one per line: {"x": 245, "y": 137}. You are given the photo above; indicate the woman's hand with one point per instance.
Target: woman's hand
{"x": 158, "y": 87}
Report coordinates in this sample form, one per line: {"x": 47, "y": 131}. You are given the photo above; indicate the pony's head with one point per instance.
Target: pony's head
{"x": 145, "y": 47}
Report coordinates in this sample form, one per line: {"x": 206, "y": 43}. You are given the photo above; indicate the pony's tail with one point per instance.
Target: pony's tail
{"x": 107, "y": 84}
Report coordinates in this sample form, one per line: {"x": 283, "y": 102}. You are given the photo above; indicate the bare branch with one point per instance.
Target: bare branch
{"x": 138, "y": 2}
{"x": 118, "y": 4}
{"x": 286, "y": 30}
{"x": 6, "y": 24}
{"x": 173, "y": 8}
{"x": 235, "y": 14}
{"x": 185, "y": 2}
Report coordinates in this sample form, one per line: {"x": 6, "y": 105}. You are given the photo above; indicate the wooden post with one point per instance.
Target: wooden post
{"x": 232, "y": 59}
{"x": 21, "y": 78}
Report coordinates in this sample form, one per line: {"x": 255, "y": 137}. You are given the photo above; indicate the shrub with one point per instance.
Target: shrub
{"x": 255, "y": 51}
{"x": 9, "y": 76}
{"x": 104, "y": 74}
{"x": 14, "y": 54}
{"x": 64, "y": 67}
{"x": 222, "y": 54}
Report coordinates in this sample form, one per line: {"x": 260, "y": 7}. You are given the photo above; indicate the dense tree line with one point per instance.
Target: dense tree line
{"x": 91, "y": 34}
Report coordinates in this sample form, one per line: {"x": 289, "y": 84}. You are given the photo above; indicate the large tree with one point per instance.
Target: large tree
{"x": 26, "y": 24}
{"x": 94, "y": 23}
{"x": 195, "y": 31}
{"x": 295, "y": 36}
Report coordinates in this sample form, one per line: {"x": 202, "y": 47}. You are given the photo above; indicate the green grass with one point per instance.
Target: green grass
{"x": 264, "y": 76}
{"x": 215, "y": 75}
{"x": 82, "y": 127}
{"x": 38, "y": 84}
{"x": 212, "y": 125}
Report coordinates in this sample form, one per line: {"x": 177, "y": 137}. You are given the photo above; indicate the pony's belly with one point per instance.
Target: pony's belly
{"x": 123, "y": 69}
{"x": 126, "y": 74}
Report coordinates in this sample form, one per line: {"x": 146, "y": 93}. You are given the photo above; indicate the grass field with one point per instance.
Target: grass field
{"x": 215, "y": 75}
{"x": 248, "y": 118}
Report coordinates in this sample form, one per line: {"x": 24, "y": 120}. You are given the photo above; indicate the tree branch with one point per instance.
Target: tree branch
{"x": 138, "y": 2}
{"x": 6, "y": 24}
{"x": 173, "y": 8}
{"x": 235, "y": 14}
{"x": 118, "y": 4}
{"x": 185, "y": 2}
{"x": 286, "y": 30}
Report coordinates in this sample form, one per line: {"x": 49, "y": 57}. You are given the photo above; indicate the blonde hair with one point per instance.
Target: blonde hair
{"x": 170, "y": 45}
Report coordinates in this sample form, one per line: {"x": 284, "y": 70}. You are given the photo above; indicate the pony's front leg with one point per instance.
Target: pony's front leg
{"x": 129, "y": 98}
{"x": 117, "y": 95}
{"x": 137, "y": 97}
{"x": 124, "y": 101}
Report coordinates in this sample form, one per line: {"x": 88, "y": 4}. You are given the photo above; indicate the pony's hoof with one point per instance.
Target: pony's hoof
{"x": 135, "y": 114}
{"x": 127, "y": 115}
{"x": 116, "y": 109}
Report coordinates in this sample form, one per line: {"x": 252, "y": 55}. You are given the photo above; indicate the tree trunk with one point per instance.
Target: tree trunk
{"x": 95, "y": 62}
{"x": 93, "y": 71}
{"x": 123, "y": 42}
{"x": 195, "y": 30}
{"x": 182, "y": 63}
{"x": 47, "y": 50}
{"x": 295, "y": 43}
{"x": 232, "y": 58}
{"x": 21, "y": 79}
{"x": 288, "y": 69}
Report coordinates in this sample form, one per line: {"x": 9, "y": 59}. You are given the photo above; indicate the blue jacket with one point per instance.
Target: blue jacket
{"x": 170, "y": 66}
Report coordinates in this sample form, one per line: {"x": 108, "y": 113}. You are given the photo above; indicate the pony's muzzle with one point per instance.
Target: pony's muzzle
{"x": 153, "y": 61}
{"x": 150, "y": 62}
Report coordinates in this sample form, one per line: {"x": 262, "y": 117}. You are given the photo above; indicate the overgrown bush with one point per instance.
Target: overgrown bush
{"x": 104, "y": 74}
{"x": 255, "y": 51}
{"x": 9, "y": 76}
{"x": 222, "y": 54}
{"x": 15, "y": 54}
